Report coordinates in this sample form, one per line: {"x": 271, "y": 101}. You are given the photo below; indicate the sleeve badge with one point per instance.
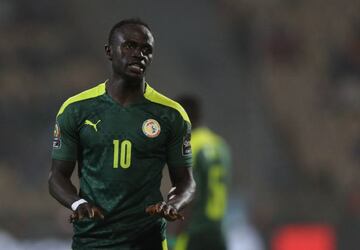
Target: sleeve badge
{"x": 56, "y": 139}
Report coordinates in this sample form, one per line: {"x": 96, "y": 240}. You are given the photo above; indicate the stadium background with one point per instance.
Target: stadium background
{"x": 280, "y": 80}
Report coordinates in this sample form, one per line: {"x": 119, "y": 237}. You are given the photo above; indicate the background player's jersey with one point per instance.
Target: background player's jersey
{"x": 211, "y": 170}
{"x": 121, "y": 151}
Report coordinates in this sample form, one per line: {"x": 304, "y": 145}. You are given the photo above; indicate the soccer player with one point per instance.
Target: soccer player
{"x": 203, "y": 227}
{"x": 121, "y": 133}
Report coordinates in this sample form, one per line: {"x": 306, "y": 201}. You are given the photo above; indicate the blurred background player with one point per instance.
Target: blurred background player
{"x": 203, "y": 225}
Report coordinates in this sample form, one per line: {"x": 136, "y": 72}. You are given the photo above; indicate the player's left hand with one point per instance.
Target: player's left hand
{"x": 165, "y": 210}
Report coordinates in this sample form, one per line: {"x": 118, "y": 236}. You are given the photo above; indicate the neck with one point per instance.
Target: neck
{"x": 125, "y": 91}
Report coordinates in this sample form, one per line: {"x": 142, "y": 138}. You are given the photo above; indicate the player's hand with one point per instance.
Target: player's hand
{"x": 164, "y": 210}
{"x": 86, "y": 210}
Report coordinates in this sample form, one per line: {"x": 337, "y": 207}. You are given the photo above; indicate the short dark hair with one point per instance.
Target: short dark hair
{"x": 123, "y": 23}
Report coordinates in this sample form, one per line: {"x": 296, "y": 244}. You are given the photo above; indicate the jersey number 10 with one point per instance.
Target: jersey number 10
{"x": 124, "y": 150}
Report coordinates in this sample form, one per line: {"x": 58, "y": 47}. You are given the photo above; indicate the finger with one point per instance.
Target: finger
{"x": 180, "y": 216}
{"x": 73, "y": 217}
{"x": 151, "y": 209}
{"x": 176, "y": 215}
{"x": 171, "y": 194}
{"x": 167, "y": 209}
{"x": 159, "y": 207}
{"x": 170, "y": 217}
{"x": 80, "y": 214}
{"x": 89, "y": 212}
{"x": 173, "y": 213}
{"x": 98, "y": 213}
{"x": 84, "y": 211}
{"x": 164, "y": 209}
{"x": 156, "y": 207}
{"x": 168, "y": 213}
{"x": 92, "y": 213}
{"x": 170, "y": 197}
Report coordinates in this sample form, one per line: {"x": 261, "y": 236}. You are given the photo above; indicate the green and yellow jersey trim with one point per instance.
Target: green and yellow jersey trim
{"x": 87, "y": 94}
{"x": 154, "y": 96}
{"x": 150, "y": 94}
{"x": 164, "y": 245}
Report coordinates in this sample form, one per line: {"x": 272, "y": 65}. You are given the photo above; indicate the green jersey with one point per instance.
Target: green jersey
{"x": 121, "y": 151}
{"x": 211, "y": 169}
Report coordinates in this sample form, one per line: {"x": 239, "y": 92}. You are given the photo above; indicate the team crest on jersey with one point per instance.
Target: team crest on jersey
{"x": 56, "y": 140}
{"x": 151, "y": 128}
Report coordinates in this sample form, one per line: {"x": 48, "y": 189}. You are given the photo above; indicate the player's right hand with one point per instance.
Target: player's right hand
{"x": 86, "y": 210}
{"x": 164, "y": 210}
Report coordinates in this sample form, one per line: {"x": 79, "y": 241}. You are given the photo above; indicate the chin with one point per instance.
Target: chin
{"x": 134, "y": 77}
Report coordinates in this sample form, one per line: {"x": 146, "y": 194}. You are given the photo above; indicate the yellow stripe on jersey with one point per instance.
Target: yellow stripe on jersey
{"x": 87, "y": 94}
{"x": 164, "y": 245}
{"x": 154, "y": 96}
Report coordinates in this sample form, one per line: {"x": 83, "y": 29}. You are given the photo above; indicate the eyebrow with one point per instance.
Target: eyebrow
{"x": 133, "y": 41}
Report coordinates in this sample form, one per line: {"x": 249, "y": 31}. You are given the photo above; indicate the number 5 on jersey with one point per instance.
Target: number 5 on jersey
{"x": 124, "y": 150}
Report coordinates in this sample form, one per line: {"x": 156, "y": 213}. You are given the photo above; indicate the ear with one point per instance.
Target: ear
{"x": 108, "y": 52}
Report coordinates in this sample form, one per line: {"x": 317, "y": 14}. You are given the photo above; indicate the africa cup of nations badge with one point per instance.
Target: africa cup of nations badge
{"x": 56, "y": 141}
{"x": 151, "y": 128}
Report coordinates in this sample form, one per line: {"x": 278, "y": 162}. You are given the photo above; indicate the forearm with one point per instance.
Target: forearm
{"x": 182, "y": 194}
{"x": 62, "y": 189}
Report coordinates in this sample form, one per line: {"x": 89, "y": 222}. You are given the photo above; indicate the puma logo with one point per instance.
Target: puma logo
{"x": 90, "y": 123}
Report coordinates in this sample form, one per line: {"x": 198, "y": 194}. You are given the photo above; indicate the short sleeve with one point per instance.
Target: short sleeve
{"x": 65, "y": 141}
{"x": 179, "y": 147}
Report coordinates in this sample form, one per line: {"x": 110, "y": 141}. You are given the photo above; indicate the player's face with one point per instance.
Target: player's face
{"x": 132, "y": 51}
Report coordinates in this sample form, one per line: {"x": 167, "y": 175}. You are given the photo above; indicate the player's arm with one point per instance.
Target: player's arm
{"x": 180, "y": 195}
{"x": 60, "y": 185}
{"x": 64, "y": 191}
{"x": 183, "y": 187}
{"x": 179, "y": 160}
{"x": 64, "y": 157}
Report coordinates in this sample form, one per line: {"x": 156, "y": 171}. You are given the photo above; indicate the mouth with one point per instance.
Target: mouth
{"x": 136, "y": 67}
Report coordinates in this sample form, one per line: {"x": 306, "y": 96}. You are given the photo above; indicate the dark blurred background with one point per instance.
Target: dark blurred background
{"x": 280, "y": 81}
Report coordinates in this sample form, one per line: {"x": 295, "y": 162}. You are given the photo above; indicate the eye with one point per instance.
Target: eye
{"x": 129, "y": 45}
{"x": 146, "y": 50}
